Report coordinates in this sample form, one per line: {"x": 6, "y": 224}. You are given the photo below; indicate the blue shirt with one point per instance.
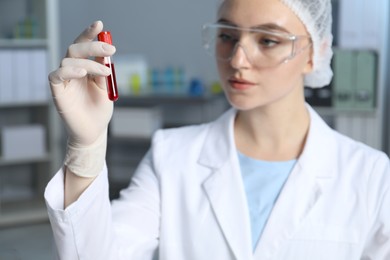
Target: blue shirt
{"x": 263, "y": 181}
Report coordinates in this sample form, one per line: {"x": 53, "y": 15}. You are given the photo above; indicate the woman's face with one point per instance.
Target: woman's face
{"x": 248, "y": 86}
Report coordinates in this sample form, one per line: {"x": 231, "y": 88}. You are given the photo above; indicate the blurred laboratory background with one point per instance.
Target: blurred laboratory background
{"x": 165, "y": 79}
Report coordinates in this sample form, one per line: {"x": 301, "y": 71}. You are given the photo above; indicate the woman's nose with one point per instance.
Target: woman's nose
{"x": 240, "y": 58}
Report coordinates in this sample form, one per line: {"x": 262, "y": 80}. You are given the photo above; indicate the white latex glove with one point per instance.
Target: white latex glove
{"x": 79, "y": 92}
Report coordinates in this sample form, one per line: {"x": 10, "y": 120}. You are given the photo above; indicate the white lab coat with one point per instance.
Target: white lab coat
{"x": 187, "y": 202}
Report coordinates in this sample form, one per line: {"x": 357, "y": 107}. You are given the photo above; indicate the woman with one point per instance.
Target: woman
{"x": 267, "y": 180}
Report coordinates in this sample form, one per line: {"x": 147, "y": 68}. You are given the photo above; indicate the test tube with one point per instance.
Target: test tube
{"x": 112, "y": 90}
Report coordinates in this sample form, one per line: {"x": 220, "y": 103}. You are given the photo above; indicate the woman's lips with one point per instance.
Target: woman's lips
{"x": 240, "y": 84}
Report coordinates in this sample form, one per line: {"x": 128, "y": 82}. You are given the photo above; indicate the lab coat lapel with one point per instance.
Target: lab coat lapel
{"x": 224, "y": 187}
{"x": 302, "y": 190}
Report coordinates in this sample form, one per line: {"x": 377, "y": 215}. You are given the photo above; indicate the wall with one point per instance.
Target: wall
{"x": 166, "y": 32}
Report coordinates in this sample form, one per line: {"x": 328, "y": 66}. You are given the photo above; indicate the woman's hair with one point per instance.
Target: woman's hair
{"x": 316, "y": 15}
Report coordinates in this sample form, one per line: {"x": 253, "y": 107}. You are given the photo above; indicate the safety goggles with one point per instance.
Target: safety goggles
{"x": 263, "y": 48}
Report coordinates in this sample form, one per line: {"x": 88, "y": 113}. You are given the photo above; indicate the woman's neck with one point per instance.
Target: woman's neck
{"x": 276, "y": 132}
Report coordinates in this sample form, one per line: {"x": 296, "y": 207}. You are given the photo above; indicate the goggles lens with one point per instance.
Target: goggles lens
{"x": 262, "y": 48}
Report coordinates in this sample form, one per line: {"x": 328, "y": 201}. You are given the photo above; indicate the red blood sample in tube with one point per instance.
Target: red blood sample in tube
{"x": 112, "y": 89}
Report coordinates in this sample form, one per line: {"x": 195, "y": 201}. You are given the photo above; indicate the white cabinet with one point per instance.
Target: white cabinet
{"x": 28, "y": 124}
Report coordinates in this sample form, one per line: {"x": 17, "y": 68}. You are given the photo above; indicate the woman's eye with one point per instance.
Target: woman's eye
{"x": 225, "y": 37}
{"x": 266, "y": 42}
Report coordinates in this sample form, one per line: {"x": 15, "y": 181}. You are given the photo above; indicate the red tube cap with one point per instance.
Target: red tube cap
{"x": 105, "y": 36}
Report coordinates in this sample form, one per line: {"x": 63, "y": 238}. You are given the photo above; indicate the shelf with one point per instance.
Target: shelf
{"x": 332, "y": 111}
{"x": 9, "y": 162}
{"x": 16, "y": 213}
{"x": 25, "y": 104}
{"x": 23, "y": 43}
{"x": 164, "y": 99}
{"x": 178, "y": 109}
{"x": 23, "y": 180}
{"x": 115, "y": 140}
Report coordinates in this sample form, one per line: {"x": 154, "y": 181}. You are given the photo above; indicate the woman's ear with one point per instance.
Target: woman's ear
{"x": 309, "y": 63}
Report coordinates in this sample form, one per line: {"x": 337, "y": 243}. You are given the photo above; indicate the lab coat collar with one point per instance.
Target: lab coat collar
{"x": 320, "y": 149}
{"x": 220, "y": 146}
{"x": 302, "y": 190}
{"x": 219, "y": 141}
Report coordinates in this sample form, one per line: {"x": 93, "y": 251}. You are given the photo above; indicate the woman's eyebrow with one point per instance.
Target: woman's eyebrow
{"x": 267, "y": 26}
{"x": 271, "y": 27}
{"x": 226, "y": 22}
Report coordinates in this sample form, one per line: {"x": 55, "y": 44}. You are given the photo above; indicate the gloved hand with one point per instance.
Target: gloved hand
{"x": 79, "y": 92}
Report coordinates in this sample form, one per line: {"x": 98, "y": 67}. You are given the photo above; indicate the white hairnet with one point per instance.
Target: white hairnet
{"x": 316, "y": 15}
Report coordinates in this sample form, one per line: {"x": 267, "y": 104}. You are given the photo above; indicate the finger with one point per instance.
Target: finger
{"x": 99, "y": 59}
{"x": 90, "y": 33}
{"x": 90, "y": 49}
{"x": 65, "y": 74}
{"x": 100, "y": 82}
{"x": 92, "y": 67}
